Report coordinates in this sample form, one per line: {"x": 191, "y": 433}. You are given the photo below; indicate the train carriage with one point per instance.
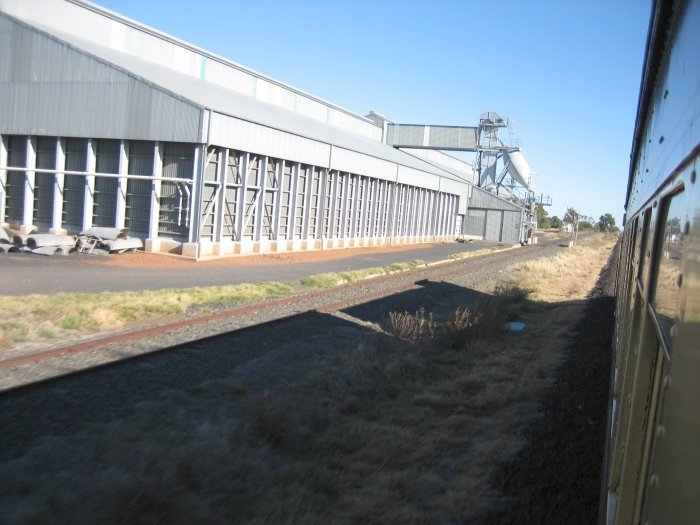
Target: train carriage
{"x": 653, "y": 453}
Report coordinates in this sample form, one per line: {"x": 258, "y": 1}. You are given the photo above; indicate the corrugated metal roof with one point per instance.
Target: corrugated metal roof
{"x": 50, "y": 88}
{"x": 247, "y": 108}
{"x": 95, "y": 23}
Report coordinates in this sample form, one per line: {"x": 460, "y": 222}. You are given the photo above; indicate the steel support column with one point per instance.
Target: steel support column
{"x": 344, "y": 205}
{"x": 198, "y": 167}
{"x": 306, "y": 201}
{"x": 420, "y": 212}
{"x": 28, "y": 207}
{"x": 262, "y": 184}
{"x": 353, "y": 204}
{"x": 323, "y": 174}
{"x": 414, "y": 211}
{"x": 371, "y": 208}
{"x": 429, "y": 213}
{"x": 332, "y": 204}
{"x": 362, "y": 206}
{"x": 88, "y": 196}
{"x": 393, "y": 211}
{"x": 155, "y": 190}
{"x": 384, "y": 218}
{"x": 222, "y": 179}
{"x": 277, "y": 208}
{"x": 277, "y": 200}
{"x": 243, "y": 195}
{"x": 3, "y": 180}
{"x": 120, "y": 206}
{"x": 58, "y": 182}
{"x": 292, "y": 218}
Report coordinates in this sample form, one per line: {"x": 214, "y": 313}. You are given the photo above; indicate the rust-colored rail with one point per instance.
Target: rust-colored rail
{"x": 403, "y": 281}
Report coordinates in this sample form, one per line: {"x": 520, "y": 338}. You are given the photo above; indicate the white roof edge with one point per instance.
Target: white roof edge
{"x": 182, "y": 43}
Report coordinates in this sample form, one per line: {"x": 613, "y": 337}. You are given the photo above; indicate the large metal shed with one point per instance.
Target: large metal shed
{"x": 106, "y": 122}
{"x": 494, "y": 218}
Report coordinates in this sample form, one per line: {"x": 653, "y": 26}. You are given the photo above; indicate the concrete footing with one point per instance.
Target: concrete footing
{"x": 247, "y": 247}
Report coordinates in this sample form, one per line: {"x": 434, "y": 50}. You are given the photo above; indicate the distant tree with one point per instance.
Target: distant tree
{"x": 572, "y": 216}
{"x": 606, "y": 223}
{"x": 673, "y": 226}
{"x": 555, "y": 222}
{"x": 543, "y": 220}
{"x": 585, "y": 225}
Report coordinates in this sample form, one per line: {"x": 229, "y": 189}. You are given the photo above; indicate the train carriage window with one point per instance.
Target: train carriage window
{"x": 646, "y": 235}
{"x": 666, "y": 287}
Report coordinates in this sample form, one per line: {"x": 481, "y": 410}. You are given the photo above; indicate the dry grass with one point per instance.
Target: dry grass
{"x": 568, "y": 275}
{"x": 412, "y": 327}
{"x": 388, "y": 432}
{"x": 41, "y": 318}
{"x": 473, "y": 253}
{"x": 553, "y": 233}
{"x": 329, "y": 280}
{"x": 35, "y": 317}
{"x": 395, "y": 430}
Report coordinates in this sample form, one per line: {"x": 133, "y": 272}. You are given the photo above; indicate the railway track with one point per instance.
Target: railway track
{"x": 65, "y": 390}
{"x": 40, "y": 369}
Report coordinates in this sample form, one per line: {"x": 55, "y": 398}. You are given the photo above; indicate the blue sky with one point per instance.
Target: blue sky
{"x": 567, "y": 73}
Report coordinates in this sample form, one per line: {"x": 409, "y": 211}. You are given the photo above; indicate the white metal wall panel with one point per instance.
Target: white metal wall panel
{"x": 462, "y": 204}
{"x": 442, "y": 137}
{"x": 247, "y": 136}
{"x": 350, "y": 123}
{"x": 418, "y": 178}
{"x": 311, "y": 108}
{"x": 453, "y": 186}
{"x": 476, "y": 223}
{"x": 459, "y": 189}
{"x": 511, "y": 232}
{"x": 440, "y": 158}
{"x": 346, "y": 160}
{"x": 51, "y": 89}
{"x": 493, "y": 225}
{"x": 90, "y": 22}
{"x": 485, "y": 199}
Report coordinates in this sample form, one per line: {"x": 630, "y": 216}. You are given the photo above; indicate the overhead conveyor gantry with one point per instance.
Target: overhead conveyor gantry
{"x": 483, "y": 140}
{"x": 513, "y": 180}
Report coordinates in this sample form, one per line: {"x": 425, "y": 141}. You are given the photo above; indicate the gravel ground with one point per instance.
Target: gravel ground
{"x": 145, "y": 271}
{"x": 112, "y": 393}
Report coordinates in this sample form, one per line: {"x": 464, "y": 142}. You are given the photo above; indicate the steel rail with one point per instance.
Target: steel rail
{"x": 404, "y": 281}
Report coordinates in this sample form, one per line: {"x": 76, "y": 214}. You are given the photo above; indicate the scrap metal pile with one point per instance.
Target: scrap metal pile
{"x": 93, "y": 241}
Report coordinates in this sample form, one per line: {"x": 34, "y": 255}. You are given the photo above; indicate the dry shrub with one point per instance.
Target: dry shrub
{"x": 512, "y": 292}
{"x": 412, "y": 327}
{"x": 480, "y": 322}
{"x": 486, "y": 319}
